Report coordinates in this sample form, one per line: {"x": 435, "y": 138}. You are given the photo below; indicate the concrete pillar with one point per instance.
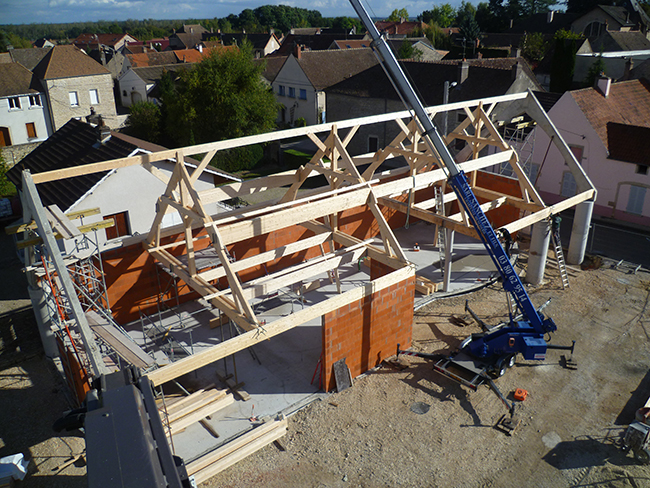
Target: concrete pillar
{"x": 449, "y": 249}
{"x": 539, "y": 241}
{"x": 44, "y": 322}
{"x": 580, "y": 232}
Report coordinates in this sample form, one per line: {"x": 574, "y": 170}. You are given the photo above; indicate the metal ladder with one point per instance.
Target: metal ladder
{"x": 442, "y": 234}
{"x": 559, "y": 254}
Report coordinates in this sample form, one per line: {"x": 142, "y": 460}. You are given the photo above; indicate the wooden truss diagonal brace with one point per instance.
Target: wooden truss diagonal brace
{"x": 233, "y": 279}
{"x": 384, "y": 229}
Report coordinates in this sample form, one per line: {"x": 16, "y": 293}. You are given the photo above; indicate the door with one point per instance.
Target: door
{"x": 5, "y": 140}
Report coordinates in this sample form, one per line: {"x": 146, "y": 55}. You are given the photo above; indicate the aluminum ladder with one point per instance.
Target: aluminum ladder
{"x": 559, "y": 254}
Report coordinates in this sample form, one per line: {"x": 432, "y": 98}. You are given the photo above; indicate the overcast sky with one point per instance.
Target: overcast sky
{"x": 56, "y": 11}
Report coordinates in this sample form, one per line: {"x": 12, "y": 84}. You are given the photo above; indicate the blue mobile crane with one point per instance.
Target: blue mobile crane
{"x": 487, "y": 354}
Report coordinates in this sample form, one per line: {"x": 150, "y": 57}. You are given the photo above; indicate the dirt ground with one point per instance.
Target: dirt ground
{"x": 369, "y": 436}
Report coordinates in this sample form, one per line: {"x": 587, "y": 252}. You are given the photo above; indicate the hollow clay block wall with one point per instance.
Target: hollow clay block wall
{"x": 367, "y": 331}
{"x": 509, "y": 186}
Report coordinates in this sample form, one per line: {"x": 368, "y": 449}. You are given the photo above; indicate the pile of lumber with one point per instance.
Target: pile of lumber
{"x": 425, "y": 285}
{"x": 180, "y": 413}
{"x": 228, "y": 454}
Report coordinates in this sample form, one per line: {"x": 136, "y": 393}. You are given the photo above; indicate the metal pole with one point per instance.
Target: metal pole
{"x": 445, "y": 101}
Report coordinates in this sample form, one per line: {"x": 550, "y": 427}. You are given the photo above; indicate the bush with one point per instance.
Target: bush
{"x": 7, "y": 188}
{"x": 239, "y": 158}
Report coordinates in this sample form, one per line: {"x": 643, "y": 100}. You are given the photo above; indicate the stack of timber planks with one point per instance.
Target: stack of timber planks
{"x": 179, "y": 414}
{"x": 228, "y": 454}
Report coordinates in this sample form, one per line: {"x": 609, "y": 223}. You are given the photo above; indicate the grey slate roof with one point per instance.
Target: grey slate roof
{"x": 483, "y": 81}
{"x": 153, "y": 74}
{"x": 74, "y": 144}
{"x": 15, "y": 79}
{"x": 612, "y": 41}
{"x": 547, "y": 99}
{"x": 29, "y": 58}
{"x": 326, "y": 68}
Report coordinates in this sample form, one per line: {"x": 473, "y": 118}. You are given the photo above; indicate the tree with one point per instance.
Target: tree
{"x": 438, "y": 37}
{"x": 533, "y": 47}
{"x": 144, "y": 121}
{"x": 443, "y": 15}
{"x": 406, "y": 51}
{"x": 222, "y": 97}
{"x": 7, "y": 188}
{"x": 564, "y": 60}
{"x": 595, "y": 70}
{"x": 397, "y": 15}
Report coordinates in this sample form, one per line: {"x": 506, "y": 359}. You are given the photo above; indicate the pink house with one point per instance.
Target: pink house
{"x": 608, "y": 129}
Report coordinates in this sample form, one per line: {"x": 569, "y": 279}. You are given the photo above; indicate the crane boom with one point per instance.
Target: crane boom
{"x": 456, "y": 178}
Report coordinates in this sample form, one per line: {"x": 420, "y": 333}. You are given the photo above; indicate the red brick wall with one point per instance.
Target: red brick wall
{"x": 509, "y": 186}
{"x": 367, "y": 331}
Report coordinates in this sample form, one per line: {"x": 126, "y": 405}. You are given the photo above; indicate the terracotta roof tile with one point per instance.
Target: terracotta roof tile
{"x": 151, "y": 59}
{"x": 628, "y": 103}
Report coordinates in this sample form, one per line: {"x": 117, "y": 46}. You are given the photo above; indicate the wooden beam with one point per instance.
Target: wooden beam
{"x": 243, "y": 341}
{"x": 84, "y": 229}
{"x": 267, "y": 256}
{"x": 16, "y": 228}
{"x": 510, "y": 200}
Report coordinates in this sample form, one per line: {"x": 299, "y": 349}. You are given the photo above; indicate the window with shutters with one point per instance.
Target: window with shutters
{"x": 31, "y": 130}
{"x": 635, "y": 202}
{"x": 568, "y": 185}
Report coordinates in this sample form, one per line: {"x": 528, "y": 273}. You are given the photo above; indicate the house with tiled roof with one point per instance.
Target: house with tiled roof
{"x": 73, "y": 82}
{"x": 263, "y": 44}
{"x": 188, "y": 37}
{"x": 370, "y": 92}
{"x": 24, "y": 117}
{"x": 608, "y": 17}
{"x": 607, "y": 128}
{"x": 620, "y": 51}
{"x": 308, "y": 42}
{"x": 150, "y": 58}
{"x": 88, "y": 41}
{"x": 126, "y": 195}
{"x": 29, "y": 58}
{"x": 401, "y": 28}
{"x": 136, "y": 84}
{"x": 300, "y": 84}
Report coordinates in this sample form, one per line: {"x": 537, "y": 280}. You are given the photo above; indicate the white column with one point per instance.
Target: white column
{"x": 580, "y": 232}
{"x": 539, "y": 241}
{"x": 449, "y": 249}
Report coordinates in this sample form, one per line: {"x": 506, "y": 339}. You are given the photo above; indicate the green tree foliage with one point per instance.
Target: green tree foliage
{"x": 222, "y": 97}
{"x": 7, "y": 188}
{"x": 533, "y": 47}
{"x": 438, "y": 38}
{"x": 465, "y": 12}
{"x": 398, "y": 14}
{"x": 441, "y": 15}
{"x": 564, "y": 60}
{"x": 595, "y": 70}
{"x": 144, "y": 121}
{"x": 406, "y": 51}
{"x": 584, "y": 6}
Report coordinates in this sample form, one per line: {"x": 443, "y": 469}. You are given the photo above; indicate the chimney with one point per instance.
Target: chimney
{"x": 629, "y": 64}
{"x": 516, "y": 70}
{"x": 463, "y": 71}
{"x": 603, "y": 84}
{"x": 479, "y": 55}
{"x": 516, "y": 53}
{"x": 512, "y": 21}
{"x": 401, "y": 20}
{"x": 297, "y": 52}
{"x": 191, "y": 30}
{"x": 103, "y": 131}
{"x": 549, "y": 16}
{"x": 200, "y": 48}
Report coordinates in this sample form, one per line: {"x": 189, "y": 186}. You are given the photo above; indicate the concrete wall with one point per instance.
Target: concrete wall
{"x": 59, "y": 100}
{"x": 612, "y": 179}
{"x": 367, "y": 331}
{"x": 16, "y": 118}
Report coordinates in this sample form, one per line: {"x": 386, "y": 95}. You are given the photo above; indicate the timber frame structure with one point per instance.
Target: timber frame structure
{"x": 352, "y": 182}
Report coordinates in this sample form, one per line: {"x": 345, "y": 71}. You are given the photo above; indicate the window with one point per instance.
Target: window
{"x": 94, "y": 97}
{"x": 577, "y": 152}
{"x": 373, "y": 144}
{"x": 292, "y": 92}
{"x": 34, "y": 100}
{"x": 641, "y": 169}
{"x": 74, "y": 99}
{"x": 281, "y": 91}
{"x": 635, "y": 202}
{"x": 303, "y": 94}
{"x": 594, "y": 29}
{"x": 14, "y": 103}
{"x": 31, "y": 130}
{"x": 568, "y": 185}
{"x": 121, "y": 227}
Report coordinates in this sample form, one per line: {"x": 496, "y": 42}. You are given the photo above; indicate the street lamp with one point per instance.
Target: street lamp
{"x": 445, "y": 100}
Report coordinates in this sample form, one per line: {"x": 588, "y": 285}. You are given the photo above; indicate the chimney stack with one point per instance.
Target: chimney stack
{"x": 549, "y": 16}
{"x": 463, "y": 71}
{"x": 516, "y": 70}
{"x": 603, "y": 84}
{"x": 297, "y": 51}
{"x": 629, "y": 64}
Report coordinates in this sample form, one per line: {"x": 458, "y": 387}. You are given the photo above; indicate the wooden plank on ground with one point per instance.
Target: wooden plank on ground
{"x": 200, "y": 413}
{"x": 225, "y": 456}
